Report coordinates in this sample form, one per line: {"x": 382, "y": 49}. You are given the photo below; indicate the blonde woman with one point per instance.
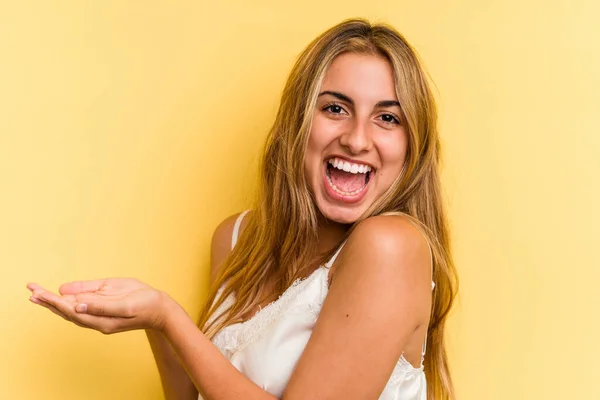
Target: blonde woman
{"x": 338, "y": 283}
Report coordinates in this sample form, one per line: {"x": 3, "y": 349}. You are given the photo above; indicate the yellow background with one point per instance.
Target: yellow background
{"x": 129, "y": 129}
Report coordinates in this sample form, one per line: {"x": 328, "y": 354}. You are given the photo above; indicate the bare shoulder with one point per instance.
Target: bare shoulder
{"x": 392, "y": 237}
{"x": 387, "y": 247}
{"x": 221, "y": 243}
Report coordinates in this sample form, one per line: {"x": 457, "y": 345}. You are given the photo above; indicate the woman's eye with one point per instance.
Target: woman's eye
{"x": 390, "y": 119}
{"x": 334, "y": 109}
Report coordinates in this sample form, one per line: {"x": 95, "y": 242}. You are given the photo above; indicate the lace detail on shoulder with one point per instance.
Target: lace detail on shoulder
{"x": 404, "y": 371}
{"x": 236, "y": 337}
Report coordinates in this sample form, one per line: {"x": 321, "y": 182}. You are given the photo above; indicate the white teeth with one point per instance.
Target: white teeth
{"x": 346, "y": 166}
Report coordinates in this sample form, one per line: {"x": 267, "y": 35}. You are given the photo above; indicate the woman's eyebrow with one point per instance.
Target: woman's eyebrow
{"x": 387, "y": 103}
{"x": 343, "y": 97}
{"x": 339, "y": 95}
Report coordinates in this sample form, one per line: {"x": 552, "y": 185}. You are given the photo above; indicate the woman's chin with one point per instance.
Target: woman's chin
{"x": 340, "y": 213}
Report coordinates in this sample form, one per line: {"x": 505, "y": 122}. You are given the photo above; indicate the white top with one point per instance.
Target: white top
{"x": 267, "y": 347}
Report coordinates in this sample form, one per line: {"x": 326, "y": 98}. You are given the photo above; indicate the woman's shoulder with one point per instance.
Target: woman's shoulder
{"x": 224, "y": 231}
{"x": 390, "y": 233}
{"x": 387, "y": 242}
{"x": 380, "y": 231}
{"x": 221, "y": 241}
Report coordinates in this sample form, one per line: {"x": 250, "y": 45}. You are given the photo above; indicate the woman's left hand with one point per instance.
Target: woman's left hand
{"x": 107, "y": 305}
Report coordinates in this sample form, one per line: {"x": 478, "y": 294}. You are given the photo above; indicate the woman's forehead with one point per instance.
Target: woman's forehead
{"x": 362, "y": 77}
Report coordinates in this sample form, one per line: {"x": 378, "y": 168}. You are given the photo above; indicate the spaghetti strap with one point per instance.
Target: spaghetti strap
{"x": 432, "y": 283}
{"x": 236, "y": 228}
{"x": 332, "y": 259}
{"x": 432, "y": 287}
{"x": 430, "y": 251}
{"x": 431, "y": 264}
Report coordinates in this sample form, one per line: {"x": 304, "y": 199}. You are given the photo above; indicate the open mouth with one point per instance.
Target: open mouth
{"x": 347, "y": 179}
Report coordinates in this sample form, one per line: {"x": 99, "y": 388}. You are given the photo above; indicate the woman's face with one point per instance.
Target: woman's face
{"x": 357, "y": 144}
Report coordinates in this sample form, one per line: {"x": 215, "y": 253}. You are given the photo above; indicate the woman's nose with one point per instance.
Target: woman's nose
{"x": 357, "y": 138}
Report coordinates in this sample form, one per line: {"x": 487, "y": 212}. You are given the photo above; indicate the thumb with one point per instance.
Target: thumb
{"x": 107, "y": 308}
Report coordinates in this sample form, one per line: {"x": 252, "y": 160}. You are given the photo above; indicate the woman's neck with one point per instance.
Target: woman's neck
{"x": 330, "y": 233}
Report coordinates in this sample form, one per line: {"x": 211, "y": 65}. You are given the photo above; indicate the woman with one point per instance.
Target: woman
{"x": 324, "y": 290}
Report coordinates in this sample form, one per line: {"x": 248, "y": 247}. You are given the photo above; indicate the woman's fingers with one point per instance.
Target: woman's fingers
{"x": 50, "y": 307}
{"x": 61, "y": 306}
{"x": 34, "y": 286}
{"x": 94, "y": 307}
{"x": 56, "y": 311}
{"x": 106, "y": 308}
{"x": 81, "y": 286}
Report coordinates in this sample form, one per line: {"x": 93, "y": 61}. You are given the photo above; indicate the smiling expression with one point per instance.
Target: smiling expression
{"x": 357, "y": 144}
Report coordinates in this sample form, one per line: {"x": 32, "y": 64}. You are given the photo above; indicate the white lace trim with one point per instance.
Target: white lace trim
{"x": 236, "y": 337}
{"x": 404, "y": 371}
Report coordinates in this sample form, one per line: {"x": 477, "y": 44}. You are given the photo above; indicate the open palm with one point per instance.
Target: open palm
{"x": 107, "y": 305}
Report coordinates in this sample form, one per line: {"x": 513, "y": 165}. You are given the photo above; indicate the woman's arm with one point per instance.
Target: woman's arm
{"x": 176, "y": 383}
{"x": 210, "y": 371}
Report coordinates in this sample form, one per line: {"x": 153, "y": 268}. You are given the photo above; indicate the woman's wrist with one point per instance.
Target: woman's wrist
{"x": 172, "y": 314}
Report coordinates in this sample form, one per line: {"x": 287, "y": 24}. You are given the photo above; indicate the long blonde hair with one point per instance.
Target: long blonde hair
{"x": 279, "y": 239}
